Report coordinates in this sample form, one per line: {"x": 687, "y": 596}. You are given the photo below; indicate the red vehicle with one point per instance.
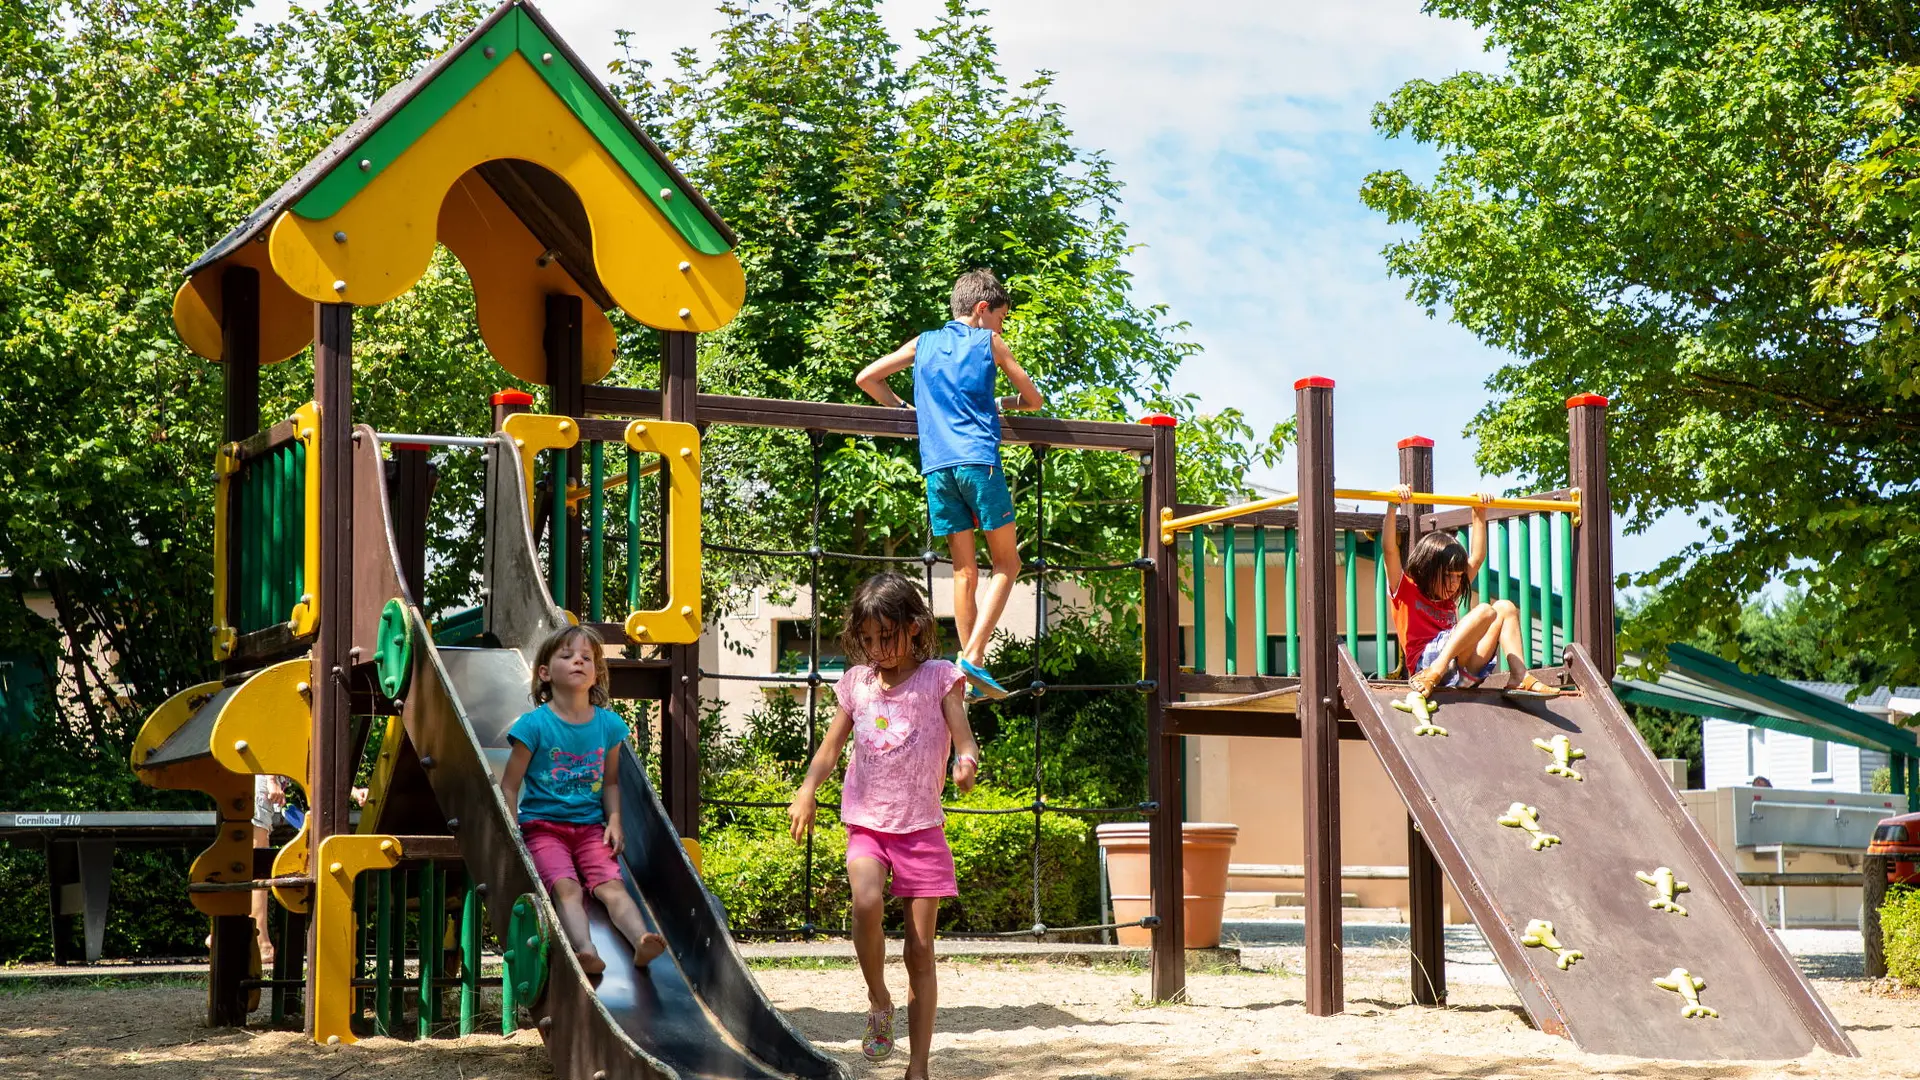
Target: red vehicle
{"x": 1900, "y": 837}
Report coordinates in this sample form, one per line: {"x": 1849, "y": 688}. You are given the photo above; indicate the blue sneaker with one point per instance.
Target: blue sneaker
{"x": 981, "y": 681}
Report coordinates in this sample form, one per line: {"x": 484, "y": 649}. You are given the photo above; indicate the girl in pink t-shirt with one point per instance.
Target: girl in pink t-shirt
{"x": 905, "y": 714}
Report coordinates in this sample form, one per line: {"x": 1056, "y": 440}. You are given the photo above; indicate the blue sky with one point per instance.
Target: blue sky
{"x": 1241, "y": 131}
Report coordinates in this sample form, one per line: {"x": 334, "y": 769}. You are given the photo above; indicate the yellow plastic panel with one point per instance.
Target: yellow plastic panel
{"x": 160, "y": 725}
{"x": 380, "y": 243}
{"x": 286, "y": 317}
{"x": 678, "y": 621}
{"x": 534, "y": 432}
{"x": 266, "y": 726}
{"x": 225, "y": 465}
{"x": 291, "y": 861}
{"x": 230, "y": 857}
{"x": 305, "y": 617}
{"x": 341, "y": 858}
{"x": 511, "y": 284}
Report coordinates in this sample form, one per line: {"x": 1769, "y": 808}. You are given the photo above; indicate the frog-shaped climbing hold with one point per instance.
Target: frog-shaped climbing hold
{"x": 1666, "y": 886}
{"x": 1687, "y": 985}
{"x": 1564, "y": 755}
{"x": 1527, "y": 818}
{"x": 1539, "y": 935}
{"x": 1422, "y": 710}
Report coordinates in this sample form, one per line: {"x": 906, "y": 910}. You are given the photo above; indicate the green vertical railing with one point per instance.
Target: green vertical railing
{"x": 266, "y": 527}
{"x": 1293, "y": 601}
{"x": 383, "y": 953}
{"x": 1262, "y": 661}
{"x": 597, "y": 530}
{"x": 433, "y": 910}
{"x": 1523, "y": 565}
{"x": 1349, "y": 553}
{"x": 1199, "y": 599}
{"x": 1382, "y": 666}
{"x": 1230, "y": 597}
{"x": 557, "y": 529}
{"x": 1563, "y": 529}
{"x": 471, "y": 914}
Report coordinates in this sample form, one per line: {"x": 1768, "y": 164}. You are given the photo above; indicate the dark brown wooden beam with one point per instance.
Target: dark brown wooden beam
{"x": 565, "y": 347}
{"x": 1161, "y": 629}
{"x": 866, "y": 419}
{"x": 332, "y": 693}
{"x": 1593, "y": 537}
{"x": 1319, "y": 734}
{"x": 1426, "y": 898}
{"x": 1200, "y": 682}
{"x": 681, "y": 401}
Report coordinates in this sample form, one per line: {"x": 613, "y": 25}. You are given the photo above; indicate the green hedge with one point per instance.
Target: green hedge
{"x": 1900, "y": 927}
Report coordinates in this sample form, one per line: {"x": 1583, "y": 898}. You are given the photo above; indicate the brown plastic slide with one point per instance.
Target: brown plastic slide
{"x": 1571, "y": 855}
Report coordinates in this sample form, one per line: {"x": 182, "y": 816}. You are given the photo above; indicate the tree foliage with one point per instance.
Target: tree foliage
{"x": 1699, "y": 208}
{"x": 861, "y": 187}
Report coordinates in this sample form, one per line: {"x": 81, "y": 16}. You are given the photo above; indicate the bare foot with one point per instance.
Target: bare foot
{"x": 590, "y": 961}
{"x": 649, "y": 946}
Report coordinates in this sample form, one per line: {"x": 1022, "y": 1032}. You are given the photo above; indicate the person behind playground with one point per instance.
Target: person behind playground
{"x": 569, "y": 814}
{"x": 1440, "y": 647}
{"x": 958, "y": 416}
{"x": 904, "y": 712}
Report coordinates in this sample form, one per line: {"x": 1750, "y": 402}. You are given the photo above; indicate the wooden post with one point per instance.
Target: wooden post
{"x": 680, "y": 721}
{"x": 1166, "y": 872}
{"x": 332, "y": 757}
{"x": 240, "y": 360}
{"x": 1593, "y": 539}
{"x": 565, "y": 351}
{"x": 411, "y": 477}
{"x": 1426, "y": 896}
{"x": 1873, "y": 893}
{"x": 1319, "y": 733}
{"x": 509, "y": 403}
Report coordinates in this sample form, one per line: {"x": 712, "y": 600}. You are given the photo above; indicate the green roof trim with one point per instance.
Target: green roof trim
{"x": 516, "y": 32}
{"x": 611, "y": 130}
{"x": 384, "y": 146}
{"x": 1650, "y": 694}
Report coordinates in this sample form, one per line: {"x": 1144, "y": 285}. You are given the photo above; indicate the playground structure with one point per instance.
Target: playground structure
{"x": 510, "y": 154}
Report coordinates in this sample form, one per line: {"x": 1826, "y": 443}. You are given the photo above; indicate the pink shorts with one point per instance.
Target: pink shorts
{"x": 920, "y": 862}
{"x": 562, "y": 849}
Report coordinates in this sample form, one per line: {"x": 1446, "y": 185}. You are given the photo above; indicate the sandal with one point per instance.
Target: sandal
{"x": 1530, "y": 687}
{"x": 1423, "y": 684}
{"x": 877, "y": 1043}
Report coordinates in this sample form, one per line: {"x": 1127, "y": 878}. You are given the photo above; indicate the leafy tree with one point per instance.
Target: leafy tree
{"x": 860, "y": 190}
{"x": 1701, "y": 209}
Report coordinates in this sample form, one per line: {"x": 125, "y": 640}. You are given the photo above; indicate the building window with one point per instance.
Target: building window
{"x": 1368, "y": 655}
{"x": 1822, "y": 766}
{"x": 1756, "y": 751}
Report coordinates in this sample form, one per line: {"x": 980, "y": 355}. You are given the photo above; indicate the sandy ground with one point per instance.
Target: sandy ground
{"x": 1024, "y": 1020}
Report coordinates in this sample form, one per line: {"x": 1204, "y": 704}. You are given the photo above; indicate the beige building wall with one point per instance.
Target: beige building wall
{"x": 746, "y": 642}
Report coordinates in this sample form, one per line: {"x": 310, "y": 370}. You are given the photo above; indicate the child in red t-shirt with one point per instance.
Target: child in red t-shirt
{"x": 1442, "y": 647}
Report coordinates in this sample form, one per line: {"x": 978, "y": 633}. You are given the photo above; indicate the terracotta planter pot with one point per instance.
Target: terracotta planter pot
{"x": 1206, "y": 849}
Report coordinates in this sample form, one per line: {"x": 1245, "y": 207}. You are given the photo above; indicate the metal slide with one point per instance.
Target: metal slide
{"x": 1524, "y": 842}
{"x": 694, "y": 1012}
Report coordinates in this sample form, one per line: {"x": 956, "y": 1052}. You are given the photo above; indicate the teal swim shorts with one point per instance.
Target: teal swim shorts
{"x": 962, "y": 498}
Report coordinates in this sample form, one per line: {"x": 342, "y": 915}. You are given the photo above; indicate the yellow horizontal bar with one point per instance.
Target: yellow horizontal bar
{"x": 1544, "y": 506}
{"x": 1170, "y": 524}
{"x": 577, "y": 493}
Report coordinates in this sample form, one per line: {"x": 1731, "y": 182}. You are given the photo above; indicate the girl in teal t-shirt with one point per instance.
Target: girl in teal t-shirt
{"x": 566, "y": 752}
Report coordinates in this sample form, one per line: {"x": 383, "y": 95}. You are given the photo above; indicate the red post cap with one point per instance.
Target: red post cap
{"x": 513, "y": 397}
{"x": 420, "y": 446}
{"x": 1578, "y": 400}
{"x": 1159, "y": 419}
{"x": 1412, "y": 441}
{"x": 1314, "y": 382}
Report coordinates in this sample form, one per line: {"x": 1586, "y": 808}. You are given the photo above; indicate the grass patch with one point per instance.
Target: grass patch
{"x": 19, "y": 986}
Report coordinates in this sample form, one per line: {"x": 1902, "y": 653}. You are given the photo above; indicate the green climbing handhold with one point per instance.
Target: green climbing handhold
{"x": 393, "y": 657}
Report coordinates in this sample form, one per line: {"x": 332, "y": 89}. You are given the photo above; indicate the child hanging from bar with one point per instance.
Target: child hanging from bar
{"x": 1439, "y": 646}
{"x": 904, "y": 712}
{"x": 567, "y": 751}
{"x": 955, "y": 368}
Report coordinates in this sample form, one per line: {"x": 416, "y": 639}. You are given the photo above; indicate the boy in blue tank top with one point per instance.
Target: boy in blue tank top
{"x": 955, "y": 369}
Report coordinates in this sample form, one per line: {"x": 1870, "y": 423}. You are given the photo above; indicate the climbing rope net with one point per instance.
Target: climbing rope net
{"x": 813, "y": 679}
